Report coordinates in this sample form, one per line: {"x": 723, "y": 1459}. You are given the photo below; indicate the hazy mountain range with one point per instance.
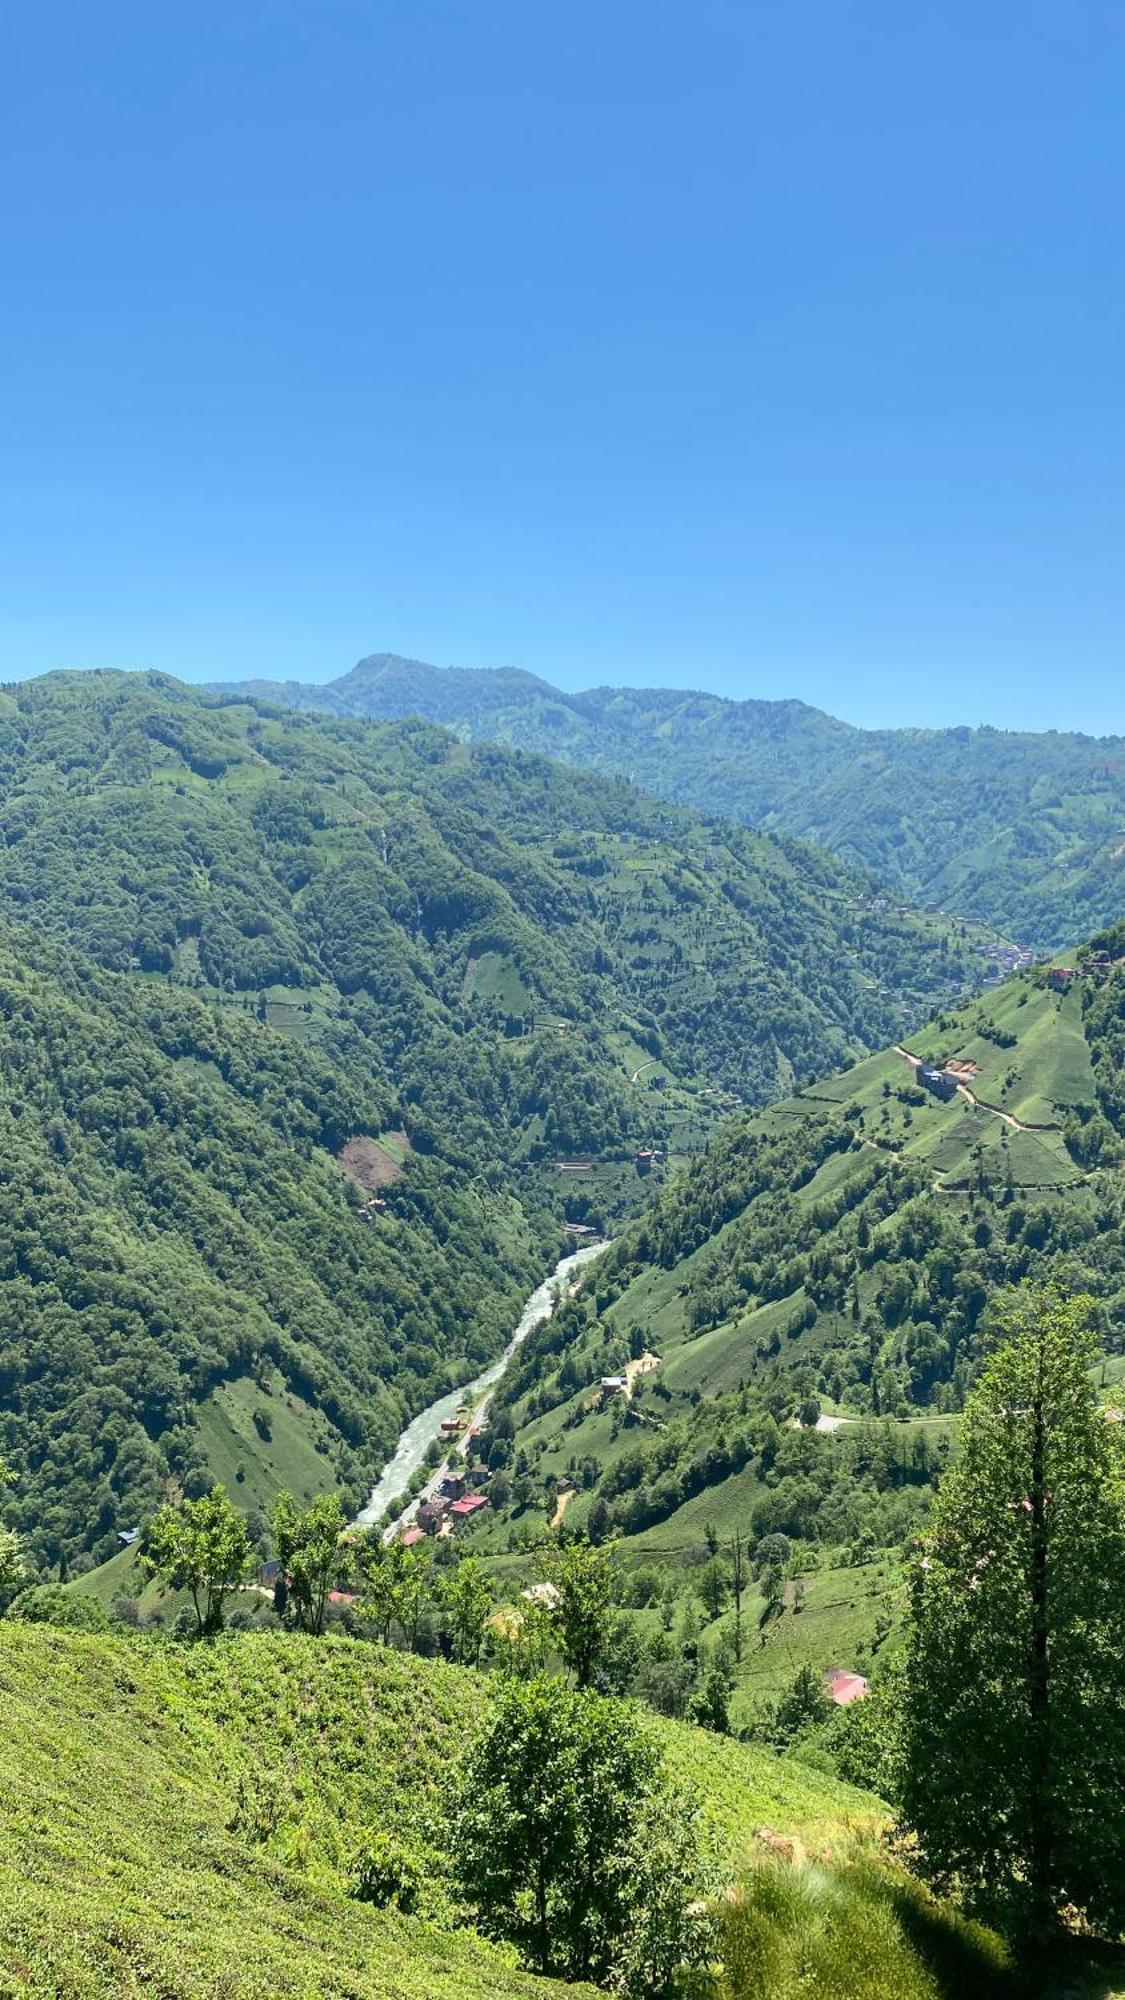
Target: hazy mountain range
{"x": 1023, "y": 830}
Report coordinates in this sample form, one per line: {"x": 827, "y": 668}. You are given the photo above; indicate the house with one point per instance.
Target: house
{"x": 452, "y": 1427}
{"x": 453, "y": 1486}
{"x": 429, "y": 1516}
{"x": 412, "y": 1537}
{"x": 479, "y": 1475}
{"x": 579, "y": 1229}
{"x": 544, "y": 1593}
{"x": 463, "y": 1510}
{"x": 128, "y": 1537}
{"x": 615, "y": 1385}
{"x": 937, "y": 1080}
{"x": 566, "y": 1484}
{"x": 1060, "y": 977}
{"x": 845, "y": 1687}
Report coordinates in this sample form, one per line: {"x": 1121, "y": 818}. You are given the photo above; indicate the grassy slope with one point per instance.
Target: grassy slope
{"x": 1040, "y": 1077}
{"x": 181, "y": 1821}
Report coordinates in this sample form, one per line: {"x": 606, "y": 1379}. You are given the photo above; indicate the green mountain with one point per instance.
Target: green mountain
{"x": 1024, "y": 831}
{"x": 833, "y": 1258}
{"x": 297, "y": 1020}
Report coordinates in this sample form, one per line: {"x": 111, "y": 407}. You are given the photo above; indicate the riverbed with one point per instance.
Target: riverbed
{"x": 420, "y": 1433}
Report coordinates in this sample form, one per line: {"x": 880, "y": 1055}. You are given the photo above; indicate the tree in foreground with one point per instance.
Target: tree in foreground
{"x": 582, "y": 1584}
{"x": 201, "y": 1546}
{"x": 1013, "y": 1699}
{"x": 572, "y": 1845}
{"x": 308, "y": 1548}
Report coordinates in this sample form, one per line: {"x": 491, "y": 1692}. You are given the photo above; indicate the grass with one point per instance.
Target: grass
{"x": 254, "y": 1468}
{"x": 134, "y": 1785}
{"x": 861, "y": 1932}
{"x": 180, "y": 1820}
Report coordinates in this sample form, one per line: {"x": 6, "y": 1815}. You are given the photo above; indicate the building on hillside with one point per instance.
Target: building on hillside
{"x": 615, "y": 1385}
{"x": 412, "y": 1537}
{"x": 429, "y": 1516}
{"x": 844, "y": 1687}
{"x": 1060, "y": 977}
{"x": 453, "y": 1486}
{"x": 544, "y": 1593}
{"x": 128, "y": 1537}
{"x": 452, "y": 1427}
{"x": 463, "y": 1510}
{"x": 936, "y": 1080}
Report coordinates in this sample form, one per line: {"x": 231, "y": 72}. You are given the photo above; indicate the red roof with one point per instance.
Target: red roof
{"x": 469, "y": 1506}
{"x": 845, "y": 1687}
{"x": 412, "y": 1537}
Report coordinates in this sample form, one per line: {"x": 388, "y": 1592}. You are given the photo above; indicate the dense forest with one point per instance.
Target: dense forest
{"x": 234, "y": 941}
{"x": 1024, "y": 831}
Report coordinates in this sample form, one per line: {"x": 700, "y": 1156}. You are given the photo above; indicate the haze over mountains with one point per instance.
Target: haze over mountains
{"x": 1024, "y": 831}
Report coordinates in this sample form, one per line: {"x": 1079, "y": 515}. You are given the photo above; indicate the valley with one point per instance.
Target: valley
{"x": 323, "y": 1031}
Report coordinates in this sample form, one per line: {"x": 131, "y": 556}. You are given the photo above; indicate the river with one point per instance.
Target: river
{"x": 421, "y": 1432}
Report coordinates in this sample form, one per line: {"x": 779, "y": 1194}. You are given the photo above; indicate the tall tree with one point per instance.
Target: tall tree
{"x": 201, "y": 1546}
{"x": 582, "y": 1581}
{"x": 308, "y": 1548}
{"x": 1013, "y": 1703}
{"x": 467, "y": 1594}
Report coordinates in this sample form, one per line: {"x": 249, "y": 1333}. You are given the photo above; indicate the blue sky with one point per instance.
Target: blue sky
{"x": 775, "y": 350}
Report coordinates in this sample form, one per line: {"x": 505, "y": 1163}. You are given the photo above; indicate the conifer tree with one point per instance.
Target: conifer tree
{"x": 1013, "y": 1703}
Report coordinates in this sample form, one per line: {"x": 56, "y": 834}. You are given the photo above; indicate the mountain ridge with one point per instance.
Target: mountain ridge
{"x": 1024, "y": 829}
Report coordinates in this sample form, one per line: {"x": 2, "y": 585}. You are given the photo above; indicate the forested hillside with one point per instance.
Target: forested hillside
{"x": 1024, "y": 831}
{"x": 233, "y": 942}
{"x": 782, "y": 1344}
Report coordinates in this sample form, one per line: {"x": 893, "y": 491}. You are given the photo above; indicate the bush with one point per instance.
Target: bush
{"x": 51, "y": 1604}
{"x": 385, "y": 1872}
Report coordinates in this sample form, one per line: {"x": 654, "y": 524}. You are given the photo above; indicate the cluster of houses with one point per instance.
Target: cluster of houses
{"x": 1096, "y": 965}
{"x": 457, "y": 1497}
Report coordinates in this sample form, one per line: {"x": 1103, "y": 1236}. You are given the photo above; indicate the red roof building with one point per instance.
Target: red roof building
{"x": 845, "y": 1687}
{"x": 461, "y": 1509}
{"x": 412, "y": 1537}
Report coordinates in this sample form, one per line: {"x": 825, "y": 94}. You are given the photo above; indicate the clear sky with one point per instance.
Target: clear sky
{"x": 775, "y": 349}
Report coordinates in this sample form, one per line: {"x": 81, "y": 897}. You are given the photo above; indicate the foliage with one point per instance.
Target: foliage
{"x": 307, "y": 1543}
{"x": 581, "y": 1579}
{"x": 200, "y": 1546}
{"x": 160, "y": 1805}
{"x": 1013, "y": 1710}
{"x": 570, "y": 1843}
{"x": 53, "y": 1604}
{"x": 1018, "y": 826}
{"x": 467, "y": 1595}
{"x": 185, "y": 1821}
{"x": 13, "y": 1565}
